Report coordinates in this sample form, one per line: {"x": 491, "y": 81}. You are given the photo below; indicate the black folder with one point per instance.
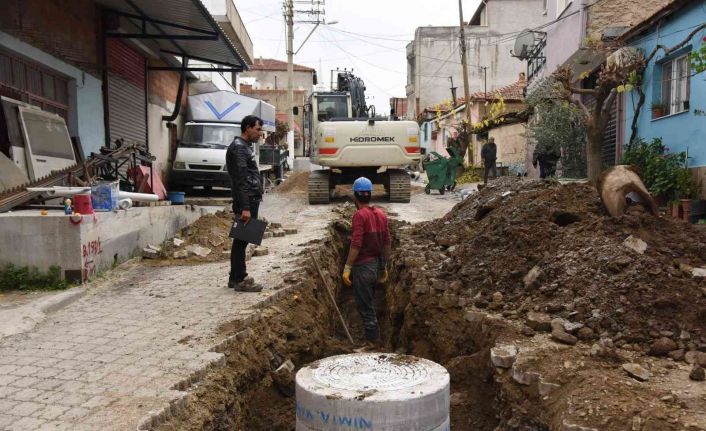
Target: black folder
{"x": 251, "y": 232}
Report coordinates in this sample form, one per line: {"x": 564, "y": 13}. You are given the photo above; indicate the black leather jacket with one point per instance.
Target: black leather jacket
{"x": 245, "y": 178}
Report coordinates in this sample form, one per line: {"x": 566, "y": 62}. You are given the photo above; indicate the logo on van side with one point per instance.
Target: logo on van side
{"x": 218, "y": 114}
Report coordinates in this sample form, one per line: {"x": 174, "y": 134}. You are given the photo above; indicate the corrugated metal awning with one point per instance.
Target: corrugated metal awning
{"x": 183, "y": 28}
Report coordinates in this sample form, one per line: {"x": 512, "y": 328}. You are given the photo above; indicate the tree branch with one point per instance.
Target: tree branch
{"x": 680, "y": 45}
{"x": 586, "y": 91}
{"x": 609, "y": 101}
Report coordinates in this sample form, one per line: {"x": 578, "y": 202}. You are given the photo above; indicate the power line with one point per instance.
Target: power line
{"x": 356, "y": 66}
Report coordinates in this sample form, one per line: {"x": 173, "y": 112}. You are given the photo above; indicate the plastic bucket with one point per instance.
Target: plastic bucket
{"x": 176, "y": 197}
{"x": 82, "y": 204}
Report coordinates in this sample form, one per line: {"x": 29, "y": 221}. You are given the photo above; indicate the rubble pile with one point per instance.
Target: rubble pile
{"x": 297, "y": 182}
{"x": 549, "y": 255}
{"x": 206, "y": 240}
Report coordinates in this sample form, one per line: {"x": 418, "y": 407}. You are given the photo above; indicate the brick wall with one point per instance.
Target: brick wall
{"x": 165, "y": 84}
{"x": 616, "y": 13}
{"x": 66, "y": 29}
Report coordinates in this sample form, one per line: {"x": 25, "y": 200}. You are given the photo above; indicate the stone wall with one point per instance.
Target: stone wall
{"x": 617, "y": 13}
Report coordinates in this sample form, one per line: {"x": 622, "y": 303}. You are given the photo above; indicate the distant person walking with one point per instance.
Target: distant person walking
{"x": 489, "y": 155}
{"x": 547, "y": 157}
{"x": 247, "y": 191}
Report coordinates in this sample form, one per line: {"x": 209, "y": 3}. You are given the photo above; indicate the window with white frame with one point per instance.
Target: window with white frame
{"x": 675, "y": 85}
{"x": 561, "y": 5}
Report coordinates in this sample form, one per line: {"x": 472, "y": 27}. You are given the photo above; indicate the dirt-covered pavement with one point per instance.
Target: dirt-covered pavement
{"x": 128, "y": 352}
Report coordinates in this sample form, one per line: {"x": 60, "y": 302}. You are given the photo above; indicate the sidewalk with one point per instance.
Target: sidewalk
{"x": 115, "y": 357}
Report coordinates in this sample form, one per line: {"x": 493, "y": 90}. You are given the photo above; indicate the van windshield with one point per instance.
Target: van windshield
{"x": 203, "y": 136}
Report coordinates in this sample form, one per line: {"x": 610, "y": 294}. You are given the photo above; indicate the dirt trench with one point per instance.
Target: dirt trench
{"x": 301, "y": 326}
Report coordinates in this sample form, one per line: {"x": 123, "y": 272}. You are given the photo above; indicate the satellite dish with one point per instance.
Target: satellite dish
{"x": 524, "y": 43}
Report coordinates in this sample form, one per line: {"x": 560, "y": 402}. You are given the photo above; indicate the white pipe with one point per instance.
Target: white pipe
{"x": 60, "y": 191}
{"x": 70, "y": 191}
{"x": 139, "y": 197}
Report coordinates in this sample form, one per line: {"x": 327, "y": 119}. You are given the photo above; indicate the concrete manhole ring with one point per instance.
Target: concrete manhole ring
{"x": 371, "y": 371}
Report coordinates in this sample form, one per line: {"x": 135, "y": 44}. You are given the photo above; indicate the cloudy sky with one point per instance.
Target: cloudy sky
{"x": 370, "y": 37}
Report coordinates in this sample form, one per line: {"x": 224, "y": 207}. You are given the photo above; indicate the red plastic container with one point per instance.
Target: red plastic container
{"x": 82, "y": 204}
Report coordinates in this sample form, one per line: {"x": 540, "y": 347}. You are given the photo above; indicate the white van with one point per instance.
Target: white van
{"x": 201, "y": 155}
{"x": 214, "y": 121}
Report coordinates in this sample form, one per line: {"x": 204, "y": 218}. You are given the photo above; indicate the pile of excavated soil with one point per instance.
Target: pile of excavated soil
{"x": 538, "y": 246}
{"x": 210, "y": 232}
{"x": 296, "y": 183}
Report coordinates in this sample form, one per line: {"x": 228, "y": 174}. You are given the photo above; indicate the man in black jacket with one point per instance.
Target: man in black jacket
{"x": 247, "y": 191}
{"x": 489, "y": 154}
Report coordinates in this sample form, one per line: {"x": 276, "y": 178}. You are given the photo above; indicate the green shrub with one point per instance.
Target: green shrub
{"x": 664, "y": 174}
{"x": 30, "y": 278}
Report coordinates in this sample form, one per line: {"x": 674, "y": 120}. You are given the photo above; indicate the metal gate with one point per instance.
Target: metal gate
{"x": 127, "y": 100}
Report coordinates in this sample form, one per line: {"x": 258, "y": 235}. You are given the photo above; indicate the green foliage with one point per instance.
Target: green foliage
{"x": 664, "y": 174}
{"x": 280, "y": 134}
{"x": 558, "y": 127}
{"x": 30, "y": 278}
{"x": 469, "y": 175}
{"x": 698, "y": 59}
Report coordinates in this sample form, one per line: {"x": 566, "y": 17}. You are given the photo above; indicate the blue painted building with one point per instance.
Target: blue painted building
{"x": 671, "y": 83}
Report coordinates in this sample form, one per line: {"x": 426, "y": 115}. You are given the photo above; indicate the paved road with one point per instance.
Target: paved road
{"x": 127, "y": 349}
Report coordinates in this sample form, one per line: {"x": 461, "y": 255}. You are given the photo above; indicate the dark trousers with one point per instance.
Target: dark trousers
{"x": 489, "y": 166}
{"x": 364, "y": 277}
{"x": 546, "y": 168}
{"x": 237, "y": 253}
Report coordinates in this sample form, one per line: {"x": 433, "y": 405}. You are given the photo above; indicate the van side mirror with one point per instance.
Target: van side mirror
{"x": 295, "y": 110}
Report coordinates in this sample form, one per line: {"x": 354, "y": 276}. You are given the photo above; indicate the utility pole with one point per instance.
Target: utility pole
{"x": 314, "y": 15}
{"x": 464, "y": 62}
{"x": 453, "y": 91}
{"x": 289, "y": 17}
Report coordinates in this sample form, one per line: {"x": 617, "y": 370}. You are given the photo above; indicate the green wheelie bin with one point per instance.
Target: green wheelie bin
{"x": 441, "y": 171}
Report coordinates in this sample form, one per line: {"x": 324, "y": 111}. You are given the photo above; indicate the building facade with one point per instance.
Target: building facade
{"x": 670, "y": 83}
{"x": 582, "y": 35}
{"x": 97, "y": 66}
{"x": 434, "y": 58}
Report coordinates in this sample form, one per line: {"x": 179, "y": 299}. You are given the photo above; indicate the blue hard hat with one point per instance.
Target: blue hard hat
{"x": 362, "y": 184}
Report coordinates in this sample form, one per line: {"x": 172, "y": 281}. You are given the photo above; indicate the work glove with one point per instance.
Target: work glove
{"x": 382, "y": 279}
{"x": 347, "y": 276}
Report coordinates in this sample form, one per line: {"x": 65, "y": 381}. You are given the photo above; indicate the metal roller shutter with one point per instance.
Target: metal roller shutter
{"x": 126, "y": 93}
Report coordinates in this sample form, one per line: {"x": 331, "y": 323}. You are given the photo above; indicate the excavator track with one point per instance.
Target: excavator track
{"x": 400, "y": 185}
{"x": 319, "y": 191}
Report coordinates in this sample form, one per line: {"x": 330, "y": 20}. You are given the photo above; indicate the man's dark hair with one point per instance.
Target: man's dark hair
{"x": 363, "y": 197}
{"x": 250, "y": 121}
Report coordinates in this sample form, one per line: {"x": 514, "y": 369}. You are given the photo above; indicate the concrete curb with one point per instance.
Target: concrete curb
{"x": 57, "y": 302}
{"x": 24, "y": 318}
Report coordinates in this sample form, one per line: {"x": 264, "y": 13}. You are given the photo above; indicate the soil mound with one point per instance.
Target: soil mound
{"x": 206, "y": 240}
{"x": 296, "y": 183}
{"x": 523, "y": 246}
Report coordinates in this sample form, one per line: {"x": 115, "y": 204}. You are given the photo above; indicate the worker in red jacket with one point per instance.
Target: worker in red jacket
{"x": 370, "y": 250}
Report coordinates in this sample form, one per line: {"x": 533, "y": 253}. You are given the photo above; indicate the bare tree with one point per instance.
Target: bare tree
{"x": 611, "y": 75}
{"x": 625, "y": 67}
